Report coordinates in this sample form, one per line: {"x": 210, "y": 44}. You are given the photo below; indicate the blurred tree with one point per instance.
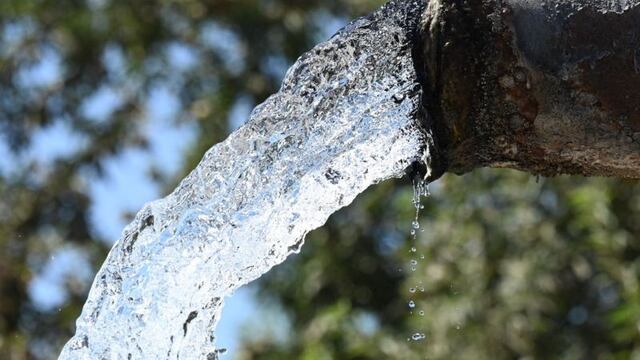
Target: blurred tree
{"x": 512, "y": 268}
{"x": 80, "y": 83}
{"x": 506, "y": 268}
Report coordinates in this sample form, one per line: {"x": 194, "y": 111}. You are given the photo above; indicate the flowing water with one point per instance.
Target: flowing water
{"x": 346, "y": 117}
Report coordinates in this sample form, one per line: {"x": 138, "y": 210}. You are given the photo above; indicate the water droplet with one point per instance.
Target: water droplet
{"x": 421, "y": 313}
{"x": 418, "y": 336}
{"x": 413, "y": 232}
{"x": 415, "y": 224}
{"x": 414, "y": 262}
{"x": 412, "y": 290}
{"x": 413, "y": 249}
{"x": 412, "y": 304}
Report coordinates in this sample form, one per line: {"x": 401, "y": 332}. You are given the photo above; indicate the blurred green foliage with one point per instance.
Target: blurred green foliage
{"x": 512, "y": 268}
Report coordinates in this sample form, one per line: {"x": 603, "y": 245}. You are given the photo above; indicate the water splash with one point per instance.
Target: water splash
{"x": 344, "y": 119}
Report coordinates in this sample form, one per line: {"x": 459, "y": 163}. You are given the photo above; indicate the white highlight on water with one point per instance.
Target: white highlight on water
{"x": 344, "y": 119}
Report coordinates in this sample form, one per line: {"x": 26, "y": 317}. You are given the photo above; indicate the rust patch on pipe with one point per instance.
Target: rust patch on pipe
{"x": 605, "y": 78}
{"x": 605, "y": 47}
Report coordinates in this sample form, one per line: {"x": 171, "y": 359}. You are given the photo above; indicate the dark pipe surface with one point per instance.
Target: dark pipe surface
{"x": 547, "y": 87}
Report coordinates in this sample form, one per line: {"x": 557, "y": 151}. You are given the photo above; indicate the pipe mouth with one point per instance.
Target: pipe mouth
{"x": 435, "y": 169}
{"x": 424, "y": 171}
{"x": 433, "y": 163}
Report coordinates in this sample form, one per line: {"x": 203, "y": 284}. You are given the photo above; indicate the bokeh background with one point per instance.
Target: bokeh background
{"x": 106, "y": 104}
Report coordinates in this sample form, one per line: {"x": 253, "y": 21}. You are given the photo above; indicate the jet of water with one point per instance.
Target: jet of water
{"x": 346, "y": 117}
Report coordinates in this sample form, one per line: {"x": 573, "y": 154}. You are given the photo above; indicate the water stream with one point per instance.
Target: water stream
{"x": 345, "y": 118}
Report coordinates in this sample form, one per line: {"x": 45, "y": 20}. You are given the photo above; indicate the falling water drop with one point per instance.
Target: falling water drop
{"x": 420, "y": 188}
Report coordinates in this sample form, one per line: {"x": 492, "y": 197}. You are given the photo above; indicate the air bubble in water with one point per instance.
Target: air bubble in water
{"x": 418, "y": 336}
